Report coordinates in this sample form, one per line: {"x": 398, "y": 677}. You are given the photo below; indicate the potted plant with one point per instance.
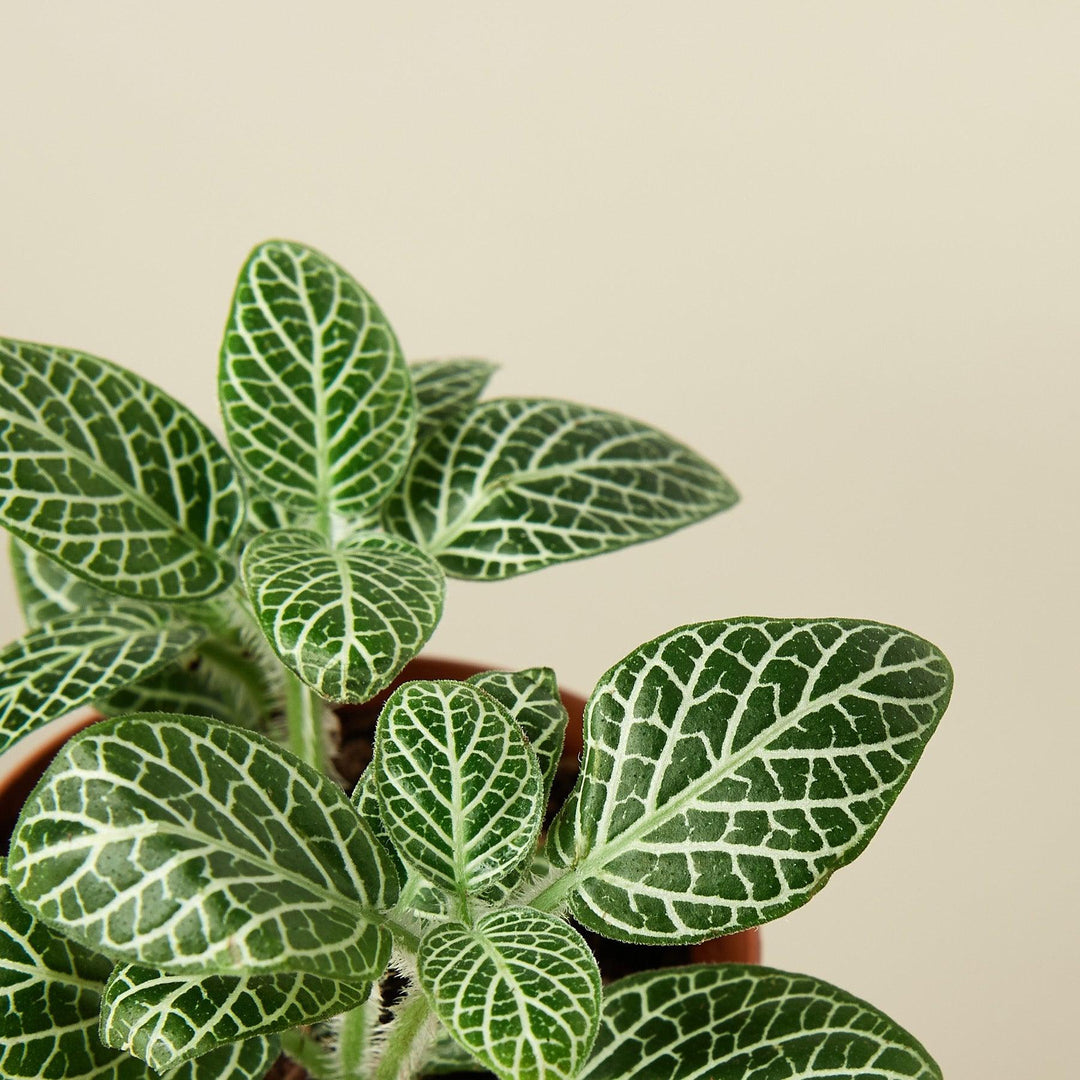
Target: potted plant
{"x": 189, "y": 889}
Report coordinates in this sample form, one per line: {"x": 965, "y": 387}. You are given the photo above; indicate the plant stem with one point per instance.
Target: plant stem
{"x": 405, "y": 1040}
{"x": 304, "y": 714}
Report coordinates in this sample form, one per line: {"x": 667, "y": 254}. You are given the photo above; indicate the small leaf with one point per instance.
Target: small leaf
{"x": 317, "y": 399}
{"x": 520, "y": 992}
{"x": 76, "y": 659}
{"x": 46, "y": 590}
{"x": 731, "y": 767}
{"x": 445, "y": 387}
{"x": 111, "y": 477}
{"x": 518, "y": 484}
{"x": 167, "y": 1019}
{"x": 458, "y": 785}
{"x": 734, "y": 1022}
{"x": 181, "y": 843}
{"x": 247, "y": 1060}
{"x": 345, "y": 620}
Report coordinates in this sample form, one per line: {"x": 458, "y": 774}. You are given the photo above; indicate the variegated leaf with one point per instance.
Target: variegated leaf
{"x": 520, "y": 991}
{"x": 76, "y": 659}
{"x": 734, "y": 1022}
{"x": 111, "y": 477}
{"x": 167, "y": 1019}
{"x": 445, "y": 1056}
{"x": 247, "y": 1060}
{"x": 46, "y": 590}
{"x": 518, "y": 484}
{"x": 731, "y": 767}
{"x": 317, "y": 399}
{"x": 345, "y": 620}
{"x": 458, "y": 785}
{"x": 179, "y": 842}
{"x": 445, "y": 387}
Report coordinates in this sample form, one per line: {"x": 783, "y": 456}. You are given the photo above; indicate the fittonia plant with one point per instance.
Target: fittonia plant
{"x": 188, "y": 890}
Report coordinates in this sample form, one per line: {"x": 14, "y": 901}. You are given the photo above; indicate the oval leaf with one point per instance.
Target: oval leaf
{"x": 520, "y": 992}
{"x": 186, "y": 844}
{"x": 730, "y": 767}
{"x": 733, "y": 1022}
{"x": 111, "y": 477}
{"x": 247, "y": 1060}
{"x": 518, "y": 484}
{"x": 46, "y": 590}
{"x": 445, "y": 387}
{"x": 317, "y": 399}
{"x": 458, "y": 786}
{"x": 345, "y": 620}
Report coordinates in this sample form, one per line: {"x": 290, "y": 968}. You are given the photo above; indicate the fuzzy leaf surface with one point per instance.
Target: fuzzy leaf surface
{"x": 520, "y": 992}
{"x": 317, "y": 400}
{"x": 458, "y": 785}
{"x": 182, "y": 843}
{"x": 737, "y": 1022}
{"x": 517, "y": 484}
{"x": 445, "y": 387}
{"x": 76, "y": 659}
{"x": 111, "y": 477}
{"x": 345, "y": 620}
{"x": 730, "y": 767}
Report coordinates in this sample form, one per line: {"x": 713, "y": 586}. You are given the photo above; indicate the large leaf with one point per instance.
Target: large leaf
{"x": 109, "y": 476}
{"x": 167, "y": 1019}
{"x": 76, "y": 659}
{"x": 458, "y": 785}
{"x": 520, "y": 991}
{"x": 247, "y": 1060}
{"x": 517, "y": 484}
{"x": 193, "y": 846}
{"x": 445, "y": 387}
{"x": 732, "y": 1022}
{"x": 317, "y": 399}
{"x": 346, "y": 620}
{"x": 730, "y": 767}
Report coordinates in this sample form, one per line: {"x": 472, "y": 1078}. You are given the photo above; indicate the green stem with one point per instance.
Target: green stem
{"x": 354, "y": 1034}
{"x": 304, "y": 715}
{"x": 405, "y": 1040}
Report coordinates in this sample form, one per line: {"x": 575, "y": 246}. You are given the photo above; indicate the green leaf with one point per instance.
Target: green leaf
{"x": 518, "y": 484}
{"x": 445, "y": 387}
{"x": 345, "y": 620}
{"x": 730, "y": 767}
{"x": 520, "y": 992}
{"x": 247, "y": 1060}
{"x": 200, "y": 848}
{"x": 50, "y": 992}
{"x": 458, "y": 785}
{"x": 734, "y": 1022}
{"x": 76, "y": 659}
{"x": 112, "y": 478}
{"x": 46, "y": 590}
{"x": 445, "y": 1056}
{"x": 167, "y": 1019}
{"x": 317, "y": 399}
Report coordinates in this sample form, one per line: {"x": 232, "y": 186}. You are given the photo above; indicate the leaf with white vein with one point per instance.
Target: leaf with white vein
{"x": 734, "y": 1022}
{"x": 445, "y": 387}
{"x": 247, "y": 1060}
{"x": 517, "y": 484}
{"x": 730, "y": 767}
{"x": 317, "y": 399}
{"x": 347, "y": 619}
{"x": 76, "y": 659}
{"x": 168, "y": 1019}
{"x": 111, "y": 477}
{"x": 46, "y": 590}
{"x": 186, "y": 844}
{"x": 520, "y": 991}
{"x": 458, "y": 785}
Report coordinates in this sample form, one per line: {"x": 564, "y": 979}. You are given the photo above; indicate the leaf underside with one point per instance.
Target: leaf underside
{"x": 444, "y": 387}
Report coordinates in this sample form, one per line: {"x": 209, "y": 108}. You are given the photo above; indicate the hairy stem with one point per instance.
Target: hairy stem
{"x": 304, "y": 712}
{"x": 406, "y": 1040}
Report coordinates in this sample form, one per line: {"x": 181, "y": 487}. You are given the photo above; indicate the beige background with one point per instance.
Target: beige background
{"x": 833, "y": 246}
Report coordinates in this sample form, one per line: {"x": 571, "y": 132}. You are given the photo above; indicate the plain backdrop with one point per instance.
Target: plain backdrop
{"x": 832, "y": 246}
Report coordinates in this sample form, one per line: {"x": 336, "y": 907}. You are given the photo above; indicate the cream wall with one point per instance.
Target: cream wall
{"x": 834, "y": 246}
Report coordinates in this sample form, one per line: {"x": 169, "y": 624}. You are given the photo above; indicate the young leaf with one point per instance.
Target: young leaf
{"x": 76, "y": 659}
{"x": 110, "y": 477}
{"x": 518, "y": 484}
{"x": 247, "y": 1060}
{"x": 185, "y": 844}
{"x": 345, "y": 620}
{"x": 317, "y": 400}
{"x": 520, "y": 992}
{"x": 167, "y": 1019}
{"x": 730, "y": 767}
{"x": 444, "y": 387}
{"x": 458, "y": 785}
{"x": 735, "y": 1022}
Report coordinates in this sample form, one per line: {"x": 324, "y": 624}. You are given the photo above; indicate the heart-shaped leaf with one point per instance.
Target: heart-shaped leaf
{"x": 345, "y": 620}
{"x": 518, "y": 484}
{"x": 730, "y": 767}
{"x": 445, "y": 387}
{"x": 111, "y": 477}
{"x": 733, "y": 1022}
{"x": 181, "y": 843}
{"x": 317, "y": 400}
{"x": 520, "y": 992}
